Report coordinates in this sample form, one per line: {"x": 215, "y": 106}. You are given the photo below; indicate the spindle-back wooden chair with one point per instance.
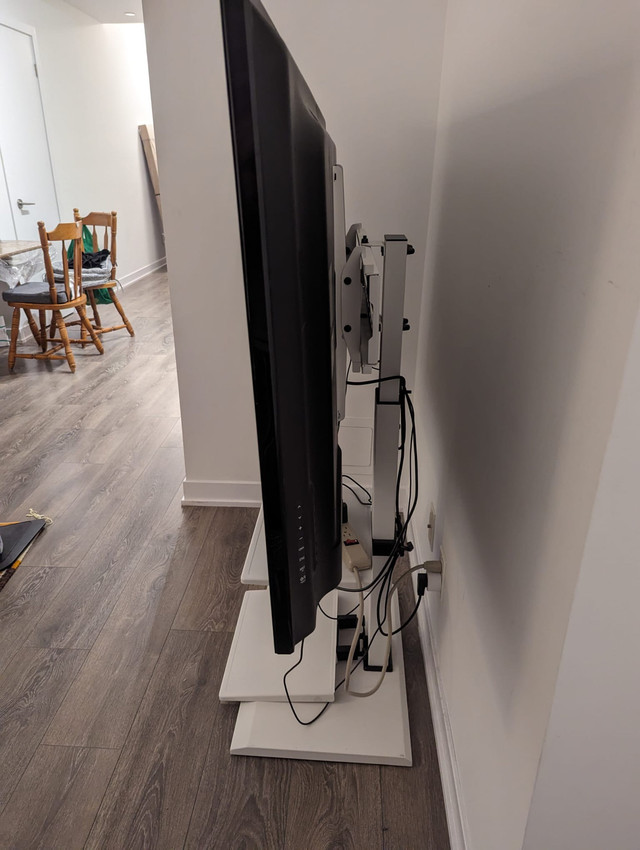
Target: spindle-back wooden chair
{"x": 49, "y": 295}
{"x": 108, "y": 221}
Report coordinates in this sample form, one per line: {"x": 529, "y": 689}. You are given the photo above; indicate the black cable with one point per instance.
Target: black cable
{"x": 401, "y": 529}
{"x": 357, "y": 483}
{"x": 328, "y": 616}
{"x": 343, "y": 680}
{"x": 386, "y": 573}
{"x": 355, "y": 608}
{"x": 366, "y": 504}
{"x": 286, "y": 690}
{"x": 413, "y": 500}
{"x": 377, "y": 381}
{"x": 409, "y": 618}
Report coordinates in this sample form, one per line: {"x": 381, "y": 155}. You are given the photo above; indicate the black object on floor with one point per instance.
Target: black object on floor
{"x": 15, "y": 538}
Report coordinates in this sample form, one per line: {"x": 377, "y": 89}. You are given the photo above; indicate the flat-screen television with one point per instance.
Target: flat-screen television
{"x": 284, "y": 162}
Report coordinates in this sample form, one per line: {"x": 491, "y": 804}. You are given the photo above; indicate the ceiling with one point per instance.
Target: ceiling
{"x": 110, "y": 11}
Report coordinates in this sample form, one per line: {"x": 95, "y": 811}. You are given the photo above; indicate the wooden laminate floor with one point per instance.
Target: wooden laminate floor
{"x": 114, "y": 634}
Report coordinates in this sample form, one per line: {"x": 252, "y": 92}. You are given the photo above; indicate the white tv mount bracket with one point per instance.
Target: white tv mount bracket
{"x": 369, "y": 328}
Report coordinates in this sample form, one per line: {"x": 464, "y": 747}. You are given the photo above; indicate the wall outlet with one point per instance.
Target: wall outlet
{"x": 431, "y": 527}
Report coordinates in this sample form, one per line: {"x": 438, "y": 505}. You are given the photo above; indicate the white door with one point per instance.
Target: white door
{"x": 28, "y": 193}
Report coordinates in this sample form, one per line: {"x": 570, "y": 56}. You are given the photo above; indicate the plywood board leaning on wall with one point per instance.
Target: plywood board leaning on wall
{"x": 149, "y": 145}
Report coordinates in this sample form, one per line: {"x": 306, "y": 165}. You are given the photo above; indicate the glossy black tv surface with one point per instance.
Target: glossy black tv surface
{"x": 283, "y": 162}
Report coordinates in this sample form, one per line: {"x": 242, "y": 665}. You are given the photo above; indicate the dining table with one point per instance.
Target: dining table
{"x": 11, "y": 247}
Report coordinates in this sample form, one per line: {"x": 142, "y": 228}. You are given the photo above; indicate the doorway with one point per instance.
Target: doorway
{"x": 27, "y": 187}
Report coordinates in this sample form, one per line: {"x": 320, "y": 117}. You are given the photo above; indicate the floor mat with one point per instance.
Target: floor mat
{"x": 17, "y": 538}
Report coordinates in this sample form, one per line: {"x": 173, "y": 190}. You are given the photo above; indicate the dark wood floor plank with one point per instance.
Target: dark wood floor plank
{"x": 98, "y": 457}
{"x": 242, "y": 802}
{"x": 128, "y": 646}
{"x": 150, "y": 799}
{"x": 57, "y": 798}
{"x": 79, "y": 611}
{"x": 22, "y": 602}
{"x": 334, "y": 806}
{"x": 73, "y": 534}
{"x": 213, "y": 597}
{"x": 412, "y": 801}
{"x": 33, "y": 686}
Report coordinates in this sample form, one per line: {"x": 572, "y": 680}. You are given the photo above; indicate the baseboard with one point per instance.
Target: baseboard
{"x": 449, "y": 774}
{"x": 132, "y": 277}
{"x": 237, "y": 494}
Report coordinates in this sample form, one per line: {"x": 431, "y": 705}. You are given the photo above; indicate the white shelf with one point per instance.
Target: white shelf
{"x": 255, "y": 564}
{"x": 254, "y": 671}
{"x": 255, "y": 571}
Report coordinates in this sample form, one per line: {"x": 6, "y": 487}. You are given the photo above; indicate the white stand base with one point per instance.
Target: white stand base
{"x": 371, "y": 730}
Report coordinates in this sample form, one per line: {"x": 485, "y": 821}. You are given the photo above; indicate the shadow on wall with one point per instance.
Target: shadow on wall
{"x": 524, "y": 195}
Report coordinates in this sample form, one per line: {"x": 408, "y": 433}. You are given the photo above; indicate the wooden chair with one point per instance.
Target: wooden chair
{"x": 108, "y": 221}
{"x": 49, "y": 295}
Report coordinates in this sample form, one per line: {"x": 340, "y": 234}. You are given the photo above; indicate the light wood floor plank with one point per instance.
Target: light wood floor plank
{"x": 175, "y": 436}
{"x": 79, "y": 611}
{"x": 53, "y": 495}
{"x": 70, "y": 538}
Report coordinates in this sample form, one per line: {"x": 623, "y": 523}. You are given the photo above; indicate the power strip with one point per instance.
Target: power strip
{"x": 353, "y": 555}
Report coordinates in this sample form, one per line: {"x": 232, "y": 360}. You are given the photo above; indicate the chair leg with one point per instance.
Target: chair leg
{"x": 33, "y": 326}
{"x": 64, "y": 336}
{"x": 87, "y": 324}
{"x": 94, "y": 308}
{"x": 43, "y": 330}
{"x": 15, "y": 329}
{"x": 84, "y": 336}
{"x": 54, "y": 325}
{"x": 120, "y": 310}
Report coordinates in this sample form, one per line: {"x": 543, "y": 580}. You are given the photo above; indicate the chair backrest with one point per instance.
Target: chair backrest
{"x": 66, "y": 232}
{"x": 108, "y": 221}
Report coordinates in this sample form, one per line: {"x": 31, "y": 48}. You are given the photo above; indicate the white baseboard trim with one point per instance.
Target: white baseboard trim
{"x": 449, "y": 774}
{"x": 236, "y": 494}
{"x": 132, "y": 277}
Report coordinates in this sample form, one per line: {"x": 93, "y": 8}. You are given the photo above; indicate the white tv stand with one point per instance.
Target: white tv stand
{"x": 374, "y": 729}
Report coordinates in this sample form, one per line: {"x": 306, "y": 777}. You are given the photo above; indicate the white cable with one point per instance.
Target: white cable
{"x": 356, "y": 634}
{"x": 354, "y": 642}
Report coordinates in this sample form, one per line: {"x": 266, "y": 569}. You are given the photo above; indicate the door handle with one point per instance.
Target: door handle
{"x": 22, "y": 203}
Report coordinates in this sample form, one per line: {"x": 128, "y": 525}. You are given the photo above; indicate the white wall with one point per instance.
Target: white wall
{"x": 193, "y": 141}
{"x": 586, "y": 792}
{"x": 531, "y": 293}
{"x": 95, "y": 89}
{"x": 374, "y": 71}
